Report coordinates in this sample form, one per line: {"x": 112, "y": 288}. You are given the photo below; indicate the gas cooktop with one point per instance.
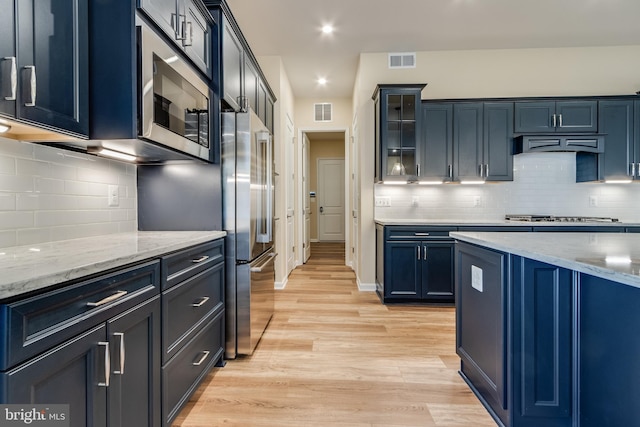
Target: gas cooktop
{"x": 553, "y": 218}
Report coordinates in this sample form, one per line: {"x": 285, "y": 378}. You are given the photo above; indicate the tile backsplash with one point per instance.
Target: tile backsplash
{"x": 544, "y": 183}
{"x": 48, "y": 194}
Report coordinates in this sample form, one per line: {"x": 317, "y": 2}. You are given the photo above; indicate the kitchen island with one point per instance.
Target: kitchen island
{"x": 546, "y": 323}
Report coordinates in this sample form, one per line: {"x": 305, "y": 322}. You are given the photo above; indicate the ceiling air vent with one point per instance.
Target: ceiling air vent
{"x": 402, "y": 60}
{"x": 322, "y": 112}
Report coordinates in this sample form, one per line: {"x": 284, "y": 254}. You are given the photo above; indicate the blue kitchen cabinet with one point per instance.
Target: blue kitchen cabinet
{"x": 188, "y": 25}
{"x": 541, "y": 381}
{"x": 44, "y": 66}
{"x": 8, "y": 65}
{"x": 482, "y": 316}
{"x": 397, "y": 130}
{"x": 498, "y": 141}
{"x": 437, "y": 142}
{"x": 551, "y": 116}
{"x": 467, "y": 141}
{"x": 418, "y": 264}
{"x": 607, "y": 353}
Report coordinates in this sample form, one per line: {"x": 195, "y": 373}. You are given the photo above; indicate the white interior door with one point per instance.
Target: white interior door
{"x": 330, "y": 199}
{"x": 291, "y": 179}
{"x": 306, "y": 198}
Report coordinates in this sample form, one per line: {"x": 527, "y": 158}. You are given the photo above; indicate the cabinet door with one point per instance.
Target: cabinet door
{"x": 467, "y": 141}
{"x": 437, "y": 142}
{"x": 8, "y": 65}
{"x": 68, "y": 374}
{"x": 269, "y": 114}
{"x": 576, "y": 116}
{"x": 53, "y": 63}
{"x": 232, "y": 54}
{"x": 437, "y": 271}
{"x": 636, "y": 135}
{"x": 481, "y": 317}
{"x": 402, "y": 270}
{"x": 498, "y": 141}
{"x": 542, "y": 322}
{"x": 616, "y": 122}
{"x": 251, "y": 85}
{"x": 262, "y": 102}
{"x": 135, "y": 343}
{"x": 164, "y": 14}
{"x": 535, "y": 117}
{"x": 197, "y": 37}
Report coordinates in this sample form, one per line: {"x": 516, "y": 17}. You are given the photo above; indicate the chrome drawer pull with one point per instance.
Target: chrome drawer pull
{"x": 201, "y": 303}
{"x": 199, "y": 260}
{"x": 30, "y": 83}
{"x": 108, "y": 299}
{"x": 107, "y": 364}
{"x": 11, "y": 81}
{"x": 420, "y": 234}
{"x": 205, "y": 354}
{"x": 122, "y": 352}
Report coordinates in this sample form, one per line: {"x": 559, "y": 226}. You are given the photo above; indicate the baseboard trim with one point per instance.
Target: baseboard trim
{"x": 281, "y": 285}
{"x": 365, "y": 287}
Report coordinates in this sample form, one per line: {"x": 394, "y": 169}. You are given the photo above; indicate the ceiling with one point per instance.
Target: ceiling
{"x": 291, "y": 29}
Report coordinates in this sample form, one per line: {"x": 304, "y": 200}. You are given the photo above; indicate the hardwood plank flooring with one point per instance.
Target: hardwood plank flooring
{"x": 334, "y": 356}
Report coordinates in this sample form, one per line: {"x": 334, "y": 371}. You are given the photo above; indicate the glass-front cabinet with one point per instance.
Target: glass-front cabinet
{"x": 397, "y": 111}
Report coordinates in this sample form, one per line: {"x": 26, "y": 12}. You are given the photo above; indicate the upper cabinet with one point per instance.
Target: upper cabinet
{"x": 556, "y": 116}
{"x": 466, "y": 141}
{"x": 398, "y": 119}
{"x": 44, "y": 68}
{"x": 243, "y": 86}
{"x": 188, "y": 24}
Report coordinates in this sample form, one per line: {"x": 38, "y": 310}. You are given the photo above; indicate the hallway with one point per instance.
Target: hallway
{"x": 334, "y": 356}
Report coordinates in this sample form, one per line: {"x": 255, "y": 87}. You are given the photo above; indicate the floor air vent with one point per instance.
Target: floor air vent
{"x": 323, "y": 112}
{"x": 402, "y": 60}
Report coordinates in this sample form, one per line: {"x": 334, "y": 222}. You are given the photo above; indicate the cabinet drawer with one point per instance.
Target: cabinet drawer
{"x": 186, "y": 305}
{"x": 182, "y": 375}
{"x": 184, "y": 264}
{"x": 38, "y": 323}
{"x": 418, "y": 233}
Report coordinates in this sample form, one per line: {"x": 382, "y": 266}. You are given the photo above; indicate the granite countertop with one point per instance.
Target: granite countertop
{"x": 35, "y": 267}
{"x": 612, "y": 256}
{"x": 501, "y": 223}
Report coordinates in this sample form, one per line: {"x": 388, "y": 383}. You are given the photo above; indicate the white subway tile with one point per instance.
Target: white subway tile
{"x": 30, "y": 236}
{"x": 7, "y": 239}
{"x": 59, "y": 218}
{"x": 48, "y": 185}
{"x": 10, "y": 147}
{"x": 7, "y": 165}
{"x": 97, "y": 175}
{"x": 16, "y": 183}
{"x": 92, "y": 202}
{"x": 83, "y": 230}
{"x": 27, "y": 202}
{"x": 7, "y": 202}
{"x": 15, "y": 220}
{"x": 76, "y": 187}
{"x": 33, "y": 167}
{"x": 118, "y": 215}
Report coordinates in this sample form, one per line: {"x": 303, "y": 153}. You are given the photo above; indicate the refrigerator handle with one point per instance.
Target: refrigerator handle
{"x": 270, "y": 188}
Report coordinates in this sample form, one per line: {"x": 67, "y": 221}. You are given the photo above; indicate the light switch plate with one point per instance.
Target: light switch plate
{"x": 476, "y": 278}
{"x": 383, "y": 201}
{"x": 114, "y": 196}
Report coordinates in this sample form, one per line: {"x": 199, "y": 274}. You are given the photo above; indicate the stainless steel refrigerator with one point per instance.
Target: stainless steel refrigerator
{"x": 248, "y": 219}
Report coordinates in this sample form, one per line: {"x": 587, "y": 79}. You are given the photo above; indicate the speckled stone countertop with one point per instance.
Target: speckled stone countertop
{"x": 500, "y": 223}
{"x": 612, "y": 256}
{"x": 35, "y": 267}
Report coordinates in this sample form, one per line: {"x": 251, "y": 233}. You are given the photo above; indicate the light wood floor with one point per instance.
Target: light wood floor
{"x": 334, "y": 356}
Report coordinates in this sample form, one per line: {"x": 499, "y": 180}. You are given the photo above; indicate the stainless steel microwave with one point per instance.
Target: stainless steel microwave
{"x": 175, "y": 107}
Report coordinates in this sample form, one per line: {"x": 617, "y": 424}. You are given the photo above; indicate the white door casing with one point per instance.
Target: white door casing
{"x": 331, "y": 200}
{"x": 290, "y": 197}
{"x": 307, "y": 199}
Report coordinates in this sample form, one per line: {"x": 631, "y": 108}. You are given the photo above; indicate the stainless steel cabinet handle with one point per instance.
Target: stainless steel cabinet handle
{"x": 107, "y": 364}
{"x": 199, "y": 260}
{"x": 180, "y": 20}
{"x": 559, "y": 120}
{"x": 108, "y": 299}
{"x": 633, "y": 169}
{"x": 10, "y": 85}
{"x": 420, "y": 234}
{"x": 30, "y": 84}
{"x": 638, "y": 168}
{"x": 204, "y": 356}
{"x": 418, "y": 169}
{"x": 122, "y": 352}
{"x": 554, "y": 121}
{"x": 424, "y": 252}
{"x": 480, "y": 166}
{"x": 188, "y": 34}
{"x": 418, "y": 252}
{"x": 486, "y": 170}
{"x": 450, "y": 172}
{"x": 201, "y": 302}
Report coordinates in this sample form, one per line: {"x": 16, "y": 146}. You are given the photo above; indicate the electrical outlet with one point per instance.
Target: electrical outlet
{"x": 593, "y": 201}
{"x": 383, "y": 202}
{"x": 415, "y": 200}
{"x": 114, "y": 197}
{"x": 477, "y": 201}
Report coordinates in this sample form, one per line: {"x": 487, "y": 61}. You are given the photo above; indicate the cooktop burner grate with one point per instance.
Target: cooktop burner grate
{"x": 553, "y": 218}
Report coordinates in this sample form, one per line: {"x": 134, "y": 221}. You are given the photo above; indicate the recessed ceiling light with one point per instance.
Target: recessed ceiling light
{"x": 327, "y": 29}
{"x": 322, "y": 81}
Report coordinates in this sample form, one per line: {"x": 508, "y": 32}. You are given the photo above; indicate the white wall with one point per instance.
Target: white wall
{"x": 494, "y": 73}
{"x": 48, "y": 194}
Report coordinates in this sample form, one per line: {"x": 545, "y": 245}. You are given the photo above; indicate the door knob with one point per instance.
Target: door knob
{"x": 321, "y": 209}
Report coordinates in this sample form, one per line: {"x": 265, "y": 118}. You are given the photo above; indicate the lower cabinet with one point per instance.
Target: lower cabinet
{"x": 109, "y": 375}
{"x": 417, "y": 265}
